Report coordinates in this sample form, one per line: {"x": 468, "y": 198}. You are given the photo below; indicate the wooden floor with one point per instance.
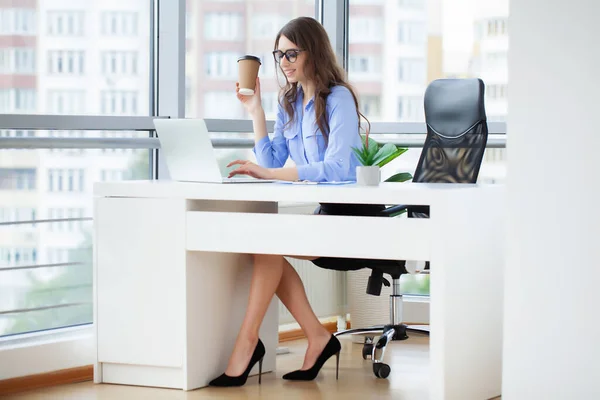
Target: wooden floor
{"x": 408, "y": 380}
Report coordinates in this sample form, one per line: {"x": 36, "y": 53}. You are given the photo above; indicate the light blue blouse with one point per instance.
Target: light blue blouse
{"x": 304, "y": 143}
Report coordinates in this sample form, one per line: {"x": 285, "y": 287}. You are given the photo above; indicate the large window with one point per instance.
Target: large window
{"x": 219, "y": 33}
{"x": 421, "y": 44}
{"x": 92, "y": 58}
{"x": 415, "y": 42}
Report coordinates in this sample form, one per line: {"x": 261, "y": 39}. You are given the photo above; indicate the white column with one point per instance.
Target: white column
{"x": 552, "y": 280}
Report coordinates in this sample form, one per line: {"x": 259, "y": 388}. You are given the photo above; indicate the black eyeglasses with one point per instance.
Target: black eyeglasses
{"x": 291, "y": 55}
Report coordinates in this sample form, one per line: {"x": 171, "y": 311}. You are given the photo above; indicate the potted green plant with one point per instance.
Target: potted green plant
{"x": 373, "y": 156}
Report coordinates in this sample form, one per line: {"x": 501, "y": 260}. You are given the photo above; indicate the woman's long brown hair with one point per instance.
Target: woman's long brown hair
{"x": 321, "y": 67}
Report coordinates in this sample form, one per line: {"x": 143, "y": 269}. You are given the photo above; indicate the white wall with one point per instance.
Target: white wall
{"x": 552, "y": 323}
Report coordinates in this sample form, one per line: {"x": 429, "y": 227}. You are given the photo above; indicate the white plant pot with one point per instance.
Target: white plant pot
{"x": 368, "y": 176}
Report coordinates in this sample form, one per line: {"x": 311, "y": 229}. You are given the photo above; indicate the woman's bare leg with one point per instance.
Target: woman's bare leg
{"x": 274, "y": 274}
{"x": 266, "y": 276}
{"x": 292, "y": 294}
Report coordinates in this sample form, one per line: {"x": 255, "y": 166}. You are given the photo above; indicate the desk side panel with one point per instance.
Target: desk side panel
{"x": 140, "y": 273}
{"x": 467, "y": 271}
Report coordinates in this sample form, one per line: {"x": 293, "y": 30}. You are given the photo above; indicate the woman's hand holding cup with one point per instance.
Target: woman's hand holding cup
{"x": 252, "y": 103}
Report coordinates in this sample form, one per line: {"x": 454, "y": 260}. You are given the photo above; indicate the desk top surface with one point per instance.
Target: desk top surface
{"x": 385, "y": 193}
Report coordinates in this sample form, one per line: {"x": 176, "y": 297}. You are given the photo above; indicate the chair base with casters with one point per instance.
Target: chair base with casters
{"x": 395, "y": 330}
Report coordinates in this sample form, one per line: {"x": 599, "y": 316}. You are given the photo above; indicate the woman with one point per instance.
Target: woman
{"x": 317, "y": 125}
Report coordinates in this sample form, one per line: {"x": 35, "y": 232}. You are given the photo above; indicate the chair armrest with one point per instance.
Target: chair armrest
{"x": 394, "y": 210}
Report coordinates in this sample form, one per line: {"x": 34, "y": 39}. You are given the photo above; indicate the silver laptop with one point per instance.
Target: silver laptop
{"x": 189, "y": 154}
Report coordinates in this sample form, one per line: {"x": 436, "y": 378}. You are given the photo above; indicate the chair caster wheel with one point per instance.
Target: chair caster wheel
{"x": 367, "y": 350}
{"x": 381, "y": 370}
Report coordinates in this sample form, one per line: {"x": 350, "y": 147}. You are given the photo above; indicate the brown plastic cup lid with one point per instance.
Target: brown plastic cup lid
{"x": 247, "y": 57}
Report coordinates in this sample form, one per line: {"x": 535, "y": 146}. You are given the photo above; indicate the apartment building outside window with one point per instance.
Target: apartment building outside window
{"x": 496, "y": 91}
{"x": 17, "y": 61}
{"x": 67, "y": 214}
{"x": 66, "y": 101}
{"x": 364, "y": 64}
{"x": 410, "y": 109}
{"x": 65, "y": 23}
{"x": 370, "y": 105}
{"x": 66, "y": 180}
{"x": 18, "y": 101}
{"x": 366, "y": 29}
{"x": 13, "y": 214}
{"x": 119, "y": 102}
{"x": 16, "y": 256}
{"x": 16, "y": 133}
{"x": 266, "y": 26}
{"x": 18, "y": 178}
{"x": 17, "y": 21}
{"x": 119, "y": 23}
{"x": 119, "y": 62}
{"x": 412, "y": 33}
{"x": 225, "y": 26}
{"x": 70, "y": 62}
{"x": 221, "y": 65}
{"x": 412, "y": 71}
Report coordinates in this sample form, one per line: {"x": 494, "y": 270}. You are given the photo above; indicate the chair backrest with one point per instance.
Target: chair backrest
{"x": 457, "y": 132}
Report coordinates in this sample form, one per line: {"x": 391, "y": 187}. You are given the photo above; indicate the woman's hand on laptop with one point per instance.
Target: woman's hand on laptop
{"x": 249, "y": 168}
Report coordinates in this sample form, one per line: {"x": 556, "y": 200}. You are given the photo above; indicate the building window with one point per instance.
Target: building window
{"x": 66, "y": 102}
{"x": 370, "y": 106}
{"x": 16, "y": 133}
{"x": 66, "y": 180}
{"x": 17, "y": 60}
{"x": 119, "y": 23}
{"x": 364, "y": 64}
{"x": 266, "y": 26}
{"x": 223, "y": 26}
{"x": 119, "y": 63}
{"x": 65, "y": 23}
{"x": 115, "y": 102}
{"x": 412, "y": 71}
{"x": 410, "y": 109}
{"x": 111, "y": 175}
{"x": 495, "y": 27}
{"x": 496, "y": 60}
{"x": 12, "y": 257}
{"x": 17, "y": 21}
{"x": 365, "y": 29}
{"x": 213, "y": 105}
{"x": 70, "y": 62}
{"x": 68, "y": 214}
{"x": 18, "y": 178}
{"x": 221, "y": 65}
{"x": 18, "y": 101}
{"x": 496, "y": 91}
{"x": 412, "y": 33}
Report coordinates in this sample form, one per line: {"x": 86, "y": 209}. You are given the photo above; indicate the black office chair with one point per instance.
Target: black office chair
{"x": 453, "y": 151}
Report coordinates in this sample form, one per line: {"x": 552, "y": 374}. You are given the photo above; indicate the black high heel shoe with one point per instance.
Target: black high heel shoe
{"x": 333, "y": 347}
{"x": 228, "y": 381}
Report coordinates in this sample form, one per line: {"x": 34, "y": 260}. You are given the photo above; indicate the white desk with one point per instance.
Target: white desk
{"x": 171, "y": 286}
